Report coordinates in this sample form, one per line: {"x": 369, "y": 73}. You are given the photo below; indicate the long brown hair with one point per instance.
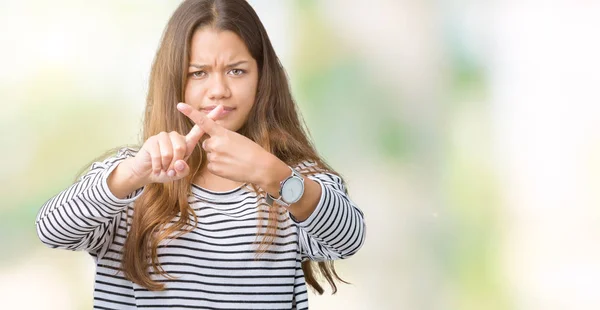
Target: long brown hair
{"x": 273, "y": 123}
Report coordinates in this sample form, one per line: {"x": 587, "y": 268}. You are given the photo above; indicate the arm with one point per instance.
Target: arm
{"x": 330, "y": 225}
{"x": 84, "y": 216}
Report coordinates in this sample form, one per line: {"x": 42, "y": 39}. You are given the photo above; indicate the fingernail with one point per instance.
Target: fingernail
{"x": 180, "y": 105}
{"x": 171, "y": 173}
{"x": 179, "y": 166}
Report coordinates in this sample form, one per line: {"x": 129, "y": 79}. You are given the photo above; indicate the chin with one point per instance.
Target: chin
{"x": 228, "y": 125}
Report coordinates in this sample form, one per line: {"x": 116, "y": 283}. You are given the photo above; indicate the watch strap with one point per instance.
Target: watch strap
{"x": 271, "y": 199}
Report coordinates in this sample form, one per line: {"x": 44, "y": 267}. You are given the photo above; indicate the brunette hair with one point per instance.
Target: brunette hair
{"x": 273, "y": 123}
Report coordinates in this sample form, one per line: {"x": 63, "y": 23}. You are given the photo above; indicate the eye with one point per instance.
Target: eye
{"x": 197, "y": 74}
{"x": 237, "y": 71}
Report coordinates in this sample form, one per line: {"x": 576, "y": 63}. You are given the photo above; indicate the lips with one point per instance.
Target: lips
{"x": 210, "y": 108}
{"x": 225, "y": 112}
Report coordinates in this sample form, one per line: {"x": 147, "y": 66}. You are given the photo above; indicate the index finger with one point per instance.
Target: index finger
{"x": 196, "y": 133}
{"x": 205, "y": 123}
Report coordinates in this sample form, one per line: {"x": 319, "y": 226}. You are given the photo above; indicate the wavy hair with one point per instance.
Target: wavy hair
{"x": 273, "y": 123}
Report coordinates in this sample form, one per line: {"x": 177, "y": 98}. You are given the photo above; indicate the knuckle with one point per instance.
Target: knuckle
{"x": 151, "y": 141}
{"x": 215, "y": 169}
{"x": 178, "y": 148}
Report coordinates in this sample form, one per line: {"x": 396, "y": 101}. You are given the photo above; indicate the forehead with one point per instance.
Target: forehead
{"x": 212, "y": 45}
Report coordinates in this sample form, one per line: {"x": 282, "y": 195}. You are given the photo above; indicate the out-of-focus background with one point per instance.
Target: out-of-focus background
{"x": 468, "y": 132}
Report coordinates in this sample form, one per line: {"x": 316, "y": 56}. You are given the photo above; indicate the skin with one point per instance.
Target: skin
{"x": 232, "y": 158}
{"x": 235, "y": 157}
{"x": 221, "y": 71}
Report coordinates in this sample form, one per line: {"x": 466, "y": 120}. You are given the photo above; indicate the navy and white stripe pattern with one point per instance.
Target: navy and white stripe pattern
{"x": 214, "y": 266}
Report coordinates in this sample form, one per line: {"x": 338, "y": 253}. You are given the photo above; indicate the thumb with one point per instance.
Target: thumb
{"x": 182, "y": 169}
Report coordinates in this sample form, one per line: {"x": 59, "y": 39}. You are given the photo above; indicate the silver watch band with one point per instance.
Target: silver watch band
{"x": 271, "y": 199}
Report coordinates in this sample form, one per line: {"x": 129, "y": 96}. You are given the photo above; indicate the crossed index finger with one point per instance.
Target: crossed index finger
{"x": 196, "y": 133}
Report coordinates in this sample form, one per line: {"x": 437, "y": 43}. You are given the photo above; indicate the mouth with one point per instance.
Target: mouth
{"x": 226, "y": 110}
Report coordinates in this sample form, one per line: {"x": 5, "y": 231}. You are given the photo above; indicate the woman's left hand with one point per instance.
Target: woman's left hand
{"x": 230, "y": 155}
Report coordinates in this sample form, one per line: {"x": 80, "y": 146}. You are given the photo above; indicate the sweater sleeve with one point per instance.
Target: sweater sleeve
{"x": 84, "y": 216}
{"x": 336, "y": 228}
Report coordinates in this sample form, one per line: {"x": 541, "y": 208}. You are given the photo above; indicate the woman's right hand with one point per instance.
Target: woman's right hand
{"x": 162, "y": 158}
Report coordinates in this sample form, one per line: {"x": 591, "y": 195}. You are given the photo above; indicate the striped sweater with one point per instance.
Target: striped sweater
{"x": 215, "y": 265}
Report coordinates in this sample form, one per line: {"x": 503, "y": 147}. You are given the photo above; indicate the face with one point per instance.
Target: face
{"x": 221, "y": 71}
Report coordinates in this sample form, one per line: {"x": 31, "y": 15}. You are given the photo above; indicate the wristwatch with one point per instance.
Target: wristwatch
{"x": 291, "y": 190}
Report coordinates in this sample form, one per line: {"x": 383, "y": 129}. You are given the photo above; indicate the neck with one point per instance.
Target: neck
{"x": 213, "y": 182}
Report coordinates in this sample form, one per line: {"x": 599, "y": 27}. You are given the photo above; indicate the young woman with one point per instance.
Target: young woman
{"x": 226, "y": 204}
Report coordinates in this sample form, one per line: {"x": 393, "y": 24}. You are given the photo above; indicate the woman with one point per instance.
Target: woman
{"x": 226, "y": 204}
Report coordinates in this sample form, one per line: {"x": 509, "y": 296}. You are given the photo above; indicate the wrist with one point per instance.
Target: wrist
{"x": 129, "y": 176}
{"x": 275, "y": 171}
{"x": 122, "y": 181}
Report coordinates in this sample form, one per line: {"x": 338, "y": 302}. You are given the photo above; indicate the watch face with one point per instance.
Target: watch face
{"x": 292, "y": 190}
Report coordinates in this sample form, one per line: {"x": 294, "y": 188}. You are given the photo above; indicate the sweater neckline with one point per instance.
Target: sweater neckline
{"x": 211, "y": 194}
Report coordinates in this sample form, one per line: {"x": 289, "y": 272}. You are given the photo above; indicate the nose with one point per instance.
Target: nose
{"x": 218, "y": 88}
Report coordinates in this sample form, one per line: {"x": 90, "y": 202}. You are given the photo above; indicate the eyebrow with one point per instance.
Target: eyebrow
{"x": 228, "y": 66}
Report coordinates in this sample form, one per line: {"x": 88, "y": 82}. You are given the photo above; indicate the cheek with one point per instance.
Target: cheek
{"x": 193, "y": 94}
{"x": 248, "y": 94}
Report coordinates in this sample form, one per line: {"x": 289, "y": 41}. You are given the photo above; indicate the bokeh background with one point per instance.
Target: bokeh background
{"x": 467, "y": 131}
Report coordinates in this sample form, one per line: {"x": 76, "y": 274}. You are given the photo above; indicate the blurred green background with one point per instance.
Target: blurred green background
{"x": 468, "y": 132}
